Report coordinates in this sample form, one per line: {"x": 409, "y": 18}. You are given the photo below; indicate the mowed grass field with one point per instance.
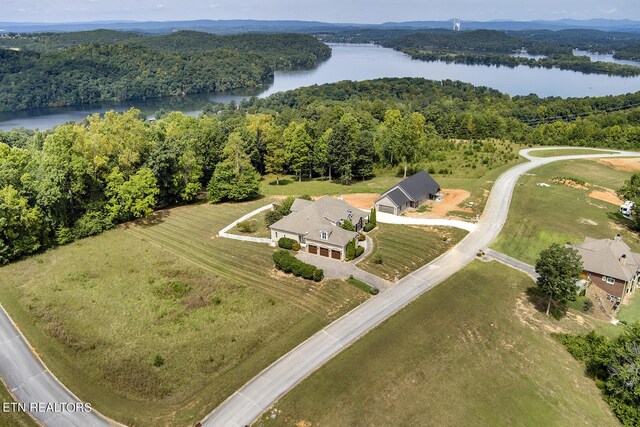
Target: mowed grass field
{"x": 540, "y": 216}
{"x": 472, "y": 351}
{"x": 13, "y": 419}
{"x": 156, "y": 323}
{"x": 405, "y": 248}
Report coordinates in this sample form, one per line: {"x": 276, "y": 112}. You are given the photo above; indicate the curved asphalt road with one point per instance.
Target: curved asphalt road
{"x": 255, "y": 397}
{"x": 30, "y": 381}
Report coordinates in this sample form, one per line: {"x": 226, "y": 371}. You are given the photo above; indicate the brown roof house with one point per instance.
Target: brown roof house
{"x": 610, "y": 265}
{"x": 408, "y": 193}
{"x": 316, "y": 226}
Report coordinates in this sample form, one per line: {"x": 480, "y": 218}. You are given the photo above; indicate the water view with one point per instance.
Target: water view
{"x": 358, "y": 62}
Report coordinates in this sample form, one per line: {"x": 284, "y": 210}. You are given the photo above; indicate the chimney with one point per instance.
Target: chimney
{"x": 618, "y": 237}
{"x": 623, "y": 259}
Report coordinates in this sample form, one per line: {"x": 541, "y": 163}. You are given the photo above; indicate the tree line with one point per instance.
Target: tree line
{"x": 80, "y": 179}
{"x": 139, "y": 67}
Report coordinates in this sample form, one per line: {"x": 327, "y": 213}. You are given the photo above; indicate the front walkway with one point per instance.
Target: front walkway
{"x": 512, "y": 262}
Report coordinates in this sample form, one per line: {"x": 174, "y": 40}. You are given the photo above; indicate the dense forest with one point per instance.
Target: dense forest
{"x": 80, "y": 179}
{"x": 95, "y": 66}
{"x": 489, "y": 47}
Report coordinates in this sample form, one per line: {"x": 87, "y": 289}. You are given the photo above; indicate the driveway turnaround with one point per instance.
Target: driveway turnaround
{"x": 386, "y": 218}
{"x": 255, "y": 397}
{"x": 30, "y": 382}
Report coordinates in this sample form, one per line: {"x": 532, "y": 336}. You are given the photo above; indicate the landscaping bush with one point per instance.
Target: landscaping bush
{"x": 377, "y": 259}
{"x": 362, "y": 285}
{"x": 350, "y": 252}
{"x": 295, "y": 246}
{"x": 287, "y": 263}
{"x": 248, "y": 226}
{"x": 359, "y": 251}
{"x": 286, "y": 243}
{"x": 305, "y": 197}
{"x": 369, "y": 226}
{"x": 285, "y": 206}
{"x": 272, "y": 217}
{"x": 361, "y": 237}
{"x": 347, "y": 225}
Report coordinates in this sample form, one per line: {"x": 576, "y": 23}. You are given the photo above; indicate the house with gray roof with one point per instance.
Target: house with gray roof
{"x": 408, "y": 193}
{"x": 610, "y": 265}
{"x": 316, "y": 225}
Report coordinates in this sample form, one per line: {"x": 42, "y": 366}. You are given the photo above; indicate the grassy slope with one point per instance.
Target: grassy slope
{"x": 540, "y": 216}
{"x": 100, "y": 310}
{"x": 470, "y": 352}
{"x": 404, "y": 248}
{"x": 13, "y": 419}
{"x": 567, "y": 152}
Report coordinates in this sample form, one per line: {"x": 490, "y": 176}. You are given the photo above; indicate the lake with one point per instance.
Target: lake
{"x": 357, "y": 62}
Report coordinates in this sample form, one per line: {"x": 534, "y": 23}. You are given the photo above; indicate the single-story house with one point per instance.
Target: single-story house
{"x": 610, "y": 265}
{"x": 316, "y": 226}
{"x": 408, "y": 193}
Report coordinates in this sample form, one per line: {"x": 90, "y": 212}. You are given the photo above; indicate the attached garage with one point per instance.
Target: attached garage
{"x": 386, "y": 209}
{"x": 336, "y": 254}
{"x": 313, "y": 249}
{"x": 324, "y": 252}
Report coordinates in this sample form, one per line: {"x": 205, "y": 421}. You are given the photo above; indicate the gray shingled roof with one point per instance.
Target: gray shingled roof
{"x": 397, "y": 197}
{"x": 602, "y": 256}
{"x": 419, "y": 185}
{"x": 314, "y": 217}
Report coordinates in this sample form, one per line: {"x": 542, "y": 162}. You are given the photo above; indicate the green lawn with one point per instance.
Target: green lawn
{"x": 472, "y": 351}
{"x": 631, "y": 312}
{"x": 405, "y": 248}
{"x": 260, "y": 224}
{"x": 568, "y": 152}
{"x": 539, "y": 216}
{"x": 13, "y": 419}
{"x": 100, "y": 310}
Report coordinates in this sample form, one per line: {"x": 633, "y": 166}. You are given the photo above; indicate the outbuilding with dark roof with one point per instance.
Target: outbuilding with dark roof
{"x": 408, "y": 193}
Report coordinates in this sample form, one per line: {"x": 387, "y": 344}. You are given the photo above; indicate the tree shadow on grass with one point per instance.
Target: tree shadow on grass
{"x": 281, "y": 182}
{"x": 154, "y": 218}
{"x": 620, "y": 220}
{"x": 540, "y": 301}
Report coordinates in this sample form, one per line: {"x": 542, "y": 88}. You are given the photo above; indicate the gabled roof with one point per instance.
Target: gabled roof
{"x": 397, "y": 196}
{"x": 603, "y": 256}
{"x": 310, "y": 218}
{"x": 419, "y": 185}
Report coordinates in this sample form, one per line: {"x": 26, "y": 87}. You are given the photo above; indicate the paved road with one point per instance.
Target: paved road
{"x": 255, "y": 397}
{"x": 31, "y": 382}
{"x": 512, "y": 262}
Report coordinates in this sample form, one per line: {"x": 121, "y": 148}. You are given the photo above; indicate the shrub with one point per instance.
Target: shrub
{"x": 588, "y": 306}
{"x": 372, "y": 216}
{"x": 369, "y": 226}
{"x": 272, "y": 217}
{"x": 295, "y": 246}
{"x": 305, "y": 197}
{"x": 359, "y": 251}
{"x": 285, "y": 206}
{"x": 158, "y": 361}
{"x": 286, "y": 243}
{"x": 362, "y": 285}
{"x": 377, "y": 259}
{"x": 248, "y": 226}
{"x": 286, "y": 262}
{"x": 350, "y": 252}
{"x": 361, "y": 237}
{"x": 347, "y": 225}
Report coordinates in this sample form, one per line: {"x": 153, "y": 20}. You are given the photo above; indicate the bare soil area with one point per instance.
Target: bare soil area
{"x": 606, "y": 195}
{"x": 361, "y": 200}
{"x": 625, "y": 165}
{"x": 450, "y": 201}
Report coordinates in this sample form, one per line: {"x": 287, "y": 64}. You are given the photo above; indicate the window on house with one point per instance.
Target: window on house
{"x": 324, "y": 235}
{"x": 276, "y": 234}
{"x": 609, "y": 280}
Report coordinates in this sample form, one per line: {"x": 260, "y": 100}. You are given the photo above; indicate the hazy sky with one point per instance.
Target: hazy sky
{"x": 371, "y": 11}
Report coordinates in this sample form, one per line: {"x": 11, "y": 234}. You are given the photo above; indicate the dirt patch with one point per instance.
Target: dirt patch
{"x": 451, "y": 201}
{"x": 587, "y": 221}
{"x": 625, "y": 165}
{"x": 361, "y": 200}
{"x": 607, "y": 195}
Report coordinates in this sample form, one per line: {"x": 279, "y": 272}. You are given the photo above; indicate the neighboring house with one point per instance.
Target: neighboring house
{"x": 316, "y": 226}
{"x": 408, "y": 193}
{"x": 610, "y": 265}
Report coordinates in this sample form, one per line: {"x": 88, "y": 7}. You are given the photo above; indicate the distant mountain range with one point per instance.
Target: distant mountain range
{"x": 243, "y": 26}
